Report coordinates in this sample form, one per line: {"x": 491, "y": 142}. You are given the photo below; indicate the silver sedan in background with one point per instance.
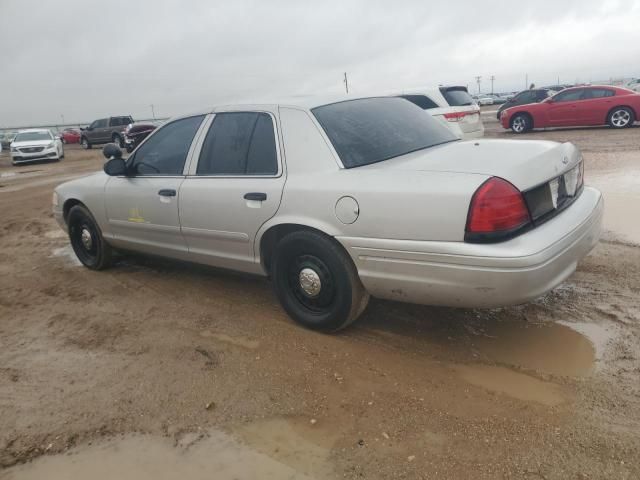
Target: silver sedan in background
{"x": 338, "y": 199}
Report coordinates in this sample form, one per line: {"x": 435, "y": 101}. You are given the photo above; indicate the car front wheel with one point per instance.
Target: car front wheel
{"x": 520, "y": 123}
{"x": 85, "y": 143}
{"x": 316, "y": 282}
{"x": 86, "y": 239}
{"x": 621, "y": 117}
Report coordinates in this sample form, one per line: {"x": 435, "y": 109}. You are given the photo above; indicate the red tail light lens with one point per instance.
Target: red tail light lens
{"x": 456, "y": 116}
{"x": 497, "y": 212}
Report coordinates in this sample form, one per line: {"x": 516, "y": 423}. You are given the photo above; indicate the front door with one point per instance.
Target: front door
{"x": 232, "y": 190}
{"x": 563, "y": 110}
{"x": 142, "y": 208}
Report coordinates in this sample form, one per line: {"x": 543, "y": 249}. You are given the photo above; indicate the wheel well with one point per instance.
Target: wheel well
{"x": 635, "y": 114}
{"x": 527, "y": 114}
{"x": 271, "y": 237}
{"x": 68, "y": 205}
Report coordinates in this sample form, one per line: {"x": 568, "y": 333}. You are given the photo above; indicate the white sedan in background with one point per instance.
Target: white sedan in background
{"x": 484, "y": 99}
{"x": 34, "y": 145}
{"x": 338, "y": 199}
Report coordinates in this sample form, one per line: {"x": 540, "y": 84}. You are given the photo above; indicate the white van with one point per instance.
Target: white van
{"x": 453, "y": 106}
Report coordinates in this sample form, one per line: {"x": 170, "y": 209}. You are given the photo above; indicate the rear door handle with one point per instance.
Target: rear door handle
{"x": 260, "y": 197}
{"x": 167, "y": 192}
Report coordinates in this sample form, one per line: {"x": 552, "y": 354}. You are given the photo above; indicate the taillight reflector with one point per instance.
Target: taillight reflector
{"x": 457, "y": 116}
{"x": 497, "y": 212}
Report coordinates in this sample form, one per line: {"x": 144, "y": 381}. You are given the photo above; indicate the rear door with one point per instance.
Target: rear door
{"x": 563, "y": 111}
{"x": 596, "y": 103}
{"x": 233, "y": 188}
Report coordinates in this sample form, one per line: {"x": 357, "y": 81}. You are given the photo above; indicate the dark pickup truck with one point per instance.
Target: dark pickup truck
{"x": 105, "y": 130}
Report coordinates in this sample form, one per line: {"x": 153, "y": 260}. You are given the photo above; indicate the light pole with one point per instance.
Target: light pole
{"x": 153, "y": 113}
{"x": 478, "y": 79}
{"x": 62, "y": 116}
{"x": 346, "y": 82}
{"x": 492, "y": 78}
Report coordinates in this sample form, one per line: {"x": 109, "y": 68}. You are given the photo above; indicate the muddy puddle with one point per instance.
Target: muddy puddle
{"x": 520, "y": 350}
{"x": 621, "y": 191}
{"x": 551, "y": 348}
{"x": 214, "y": 455}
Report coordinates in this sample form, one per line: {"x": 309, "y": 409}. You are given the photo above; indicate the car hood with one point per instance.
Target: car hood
{"x": 31, "y": 143}
{"x": 524, "y": 163}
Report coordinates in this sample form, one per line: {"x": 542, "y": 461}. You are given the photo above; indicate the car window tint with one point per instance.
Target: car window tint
{"x": 598, "y": 93}
{"x": 456, "y": 96}
{"x": 239, "y": 143}
{"x": 116, "y": 122}
{"x": 422, "y": 101}
{"x": 102, "y": 123}
{"x": 371, "y": 130}
{"x": 166, "y": 152}
{"x": 569, "y": 96}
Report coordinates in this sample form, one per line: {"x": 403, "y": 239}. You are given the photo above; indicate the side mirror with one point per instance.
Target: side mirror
{"x": 111, "y": 150}
{"x": 115, "y": 167}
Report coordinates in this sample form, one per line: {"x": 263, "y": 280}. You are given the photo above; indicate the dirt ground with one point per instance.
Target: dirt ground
{"x": 185, "y": 371}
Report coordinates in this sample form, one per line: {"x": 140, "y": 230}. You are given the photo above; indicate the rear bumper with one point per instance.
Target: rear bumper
{"x": 459, "y": 274}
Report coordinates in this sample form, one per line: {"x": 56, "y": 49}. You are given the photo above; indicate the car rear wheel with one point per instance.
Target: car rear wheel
{"x": 87, "y": 241}
{"x": 85, "y": 143}
{"x": 520, "y": 123}
{"x": 621, "y": 117}
{"x": 316, "y": 282}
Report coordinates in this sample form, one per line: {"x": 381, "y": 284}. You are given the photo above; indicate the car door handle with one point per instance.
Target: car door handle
{"x": 167, "y": 192}
{"x": 260, "y": 197}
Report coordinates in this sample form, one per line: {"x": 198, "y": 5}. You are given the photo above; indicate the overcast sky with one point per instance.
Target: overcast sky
{"x": 85, "y": 59}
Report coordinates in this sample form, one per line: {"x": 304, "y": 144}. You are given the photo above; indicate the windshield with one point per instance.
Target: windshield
{"x": 457, "y": 97}
{"x": 371, "y": 130}
{"x": 32, "y": 136}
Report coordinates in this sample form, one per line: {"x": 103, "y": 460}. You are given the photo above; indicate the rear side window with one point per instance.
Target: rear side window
{"x": 598, "y": 93}
{"x": 239, "y": 143}
{"x": 371, "y": 130}
{"x": 116, "y": 122}
{"x": 422, "y": 101}
{"x": 456, "y": 97}
{"x": 166, "y": 152}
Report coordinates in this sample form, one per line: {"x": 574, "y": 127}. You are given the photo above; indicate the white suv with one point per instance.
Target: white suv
{"x": 453, "y": 106}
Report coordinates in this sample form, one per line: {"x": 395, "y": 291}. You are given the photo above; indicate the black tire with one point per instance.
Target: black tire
{"x": 117, "y": 140}
{"x": 340, "y": 298}
{"x": 96, "y": 253}
{"x": 520, "y": 123}
{"x": 86, "y": 144}
{"x": 621, "y": 117}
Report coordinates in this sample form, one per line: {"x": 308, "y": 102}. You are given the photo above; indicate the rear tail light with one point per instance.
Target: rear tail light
{"x": 457, "y": 116}
{"x": 497, "y": 212}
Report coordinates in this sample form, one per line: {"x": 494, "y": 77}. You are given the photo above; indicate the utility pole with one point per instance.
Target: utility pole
{"x": 526, "y": 81}
{"x": 62, "y": 116}
{"x": 346, "y": 82}
{"x": 153, "y": 113}
{"x": 492, "y": 78}
{"x": 478, "y": 79}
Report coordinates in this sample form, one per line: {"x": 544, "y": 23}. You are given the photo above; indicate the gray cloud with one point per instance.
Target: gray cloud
{"x": 85, "y": 59}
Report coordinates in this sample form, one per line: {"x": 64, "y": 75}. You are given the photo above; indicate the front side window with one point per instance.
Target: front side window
{"x": 371, "y": 130}
{"x": 422, "y": 101}
{"x": 569, "y": 96}
{"x": 116, "y": 122}
{"x": 101, "y": 123}
{"x": 239, "y": 143}
{"x": 166, "y": 151}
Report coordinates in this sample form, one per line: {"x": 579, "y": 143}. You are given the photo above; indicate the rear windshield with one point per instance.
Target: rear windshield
{"x": 457, "y": 97}
{"x": 371, "y": 130}
{"x": 32, "y": 136}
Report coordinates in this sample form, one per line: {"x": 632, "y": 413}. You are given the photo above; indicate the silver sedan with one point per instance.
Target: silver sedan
{"x": 339, "y": 199}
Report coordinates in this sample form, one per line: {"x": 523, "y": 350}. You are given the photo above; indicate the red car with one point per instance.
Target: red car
{"x": 577, "y": 106}
{"x": 70, "y": 135}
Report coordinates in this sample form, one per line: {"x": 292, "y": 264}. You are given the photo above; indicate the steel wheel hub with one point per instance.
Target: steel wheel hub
{"x": 86, "y": 238}
{"x": 310, "y": 282}
{"x": 620, "y": 118}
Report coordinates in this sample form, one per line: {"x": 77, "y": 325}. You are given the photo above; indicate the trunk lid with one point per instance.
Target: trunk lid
{"x": 524, "y": 163}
